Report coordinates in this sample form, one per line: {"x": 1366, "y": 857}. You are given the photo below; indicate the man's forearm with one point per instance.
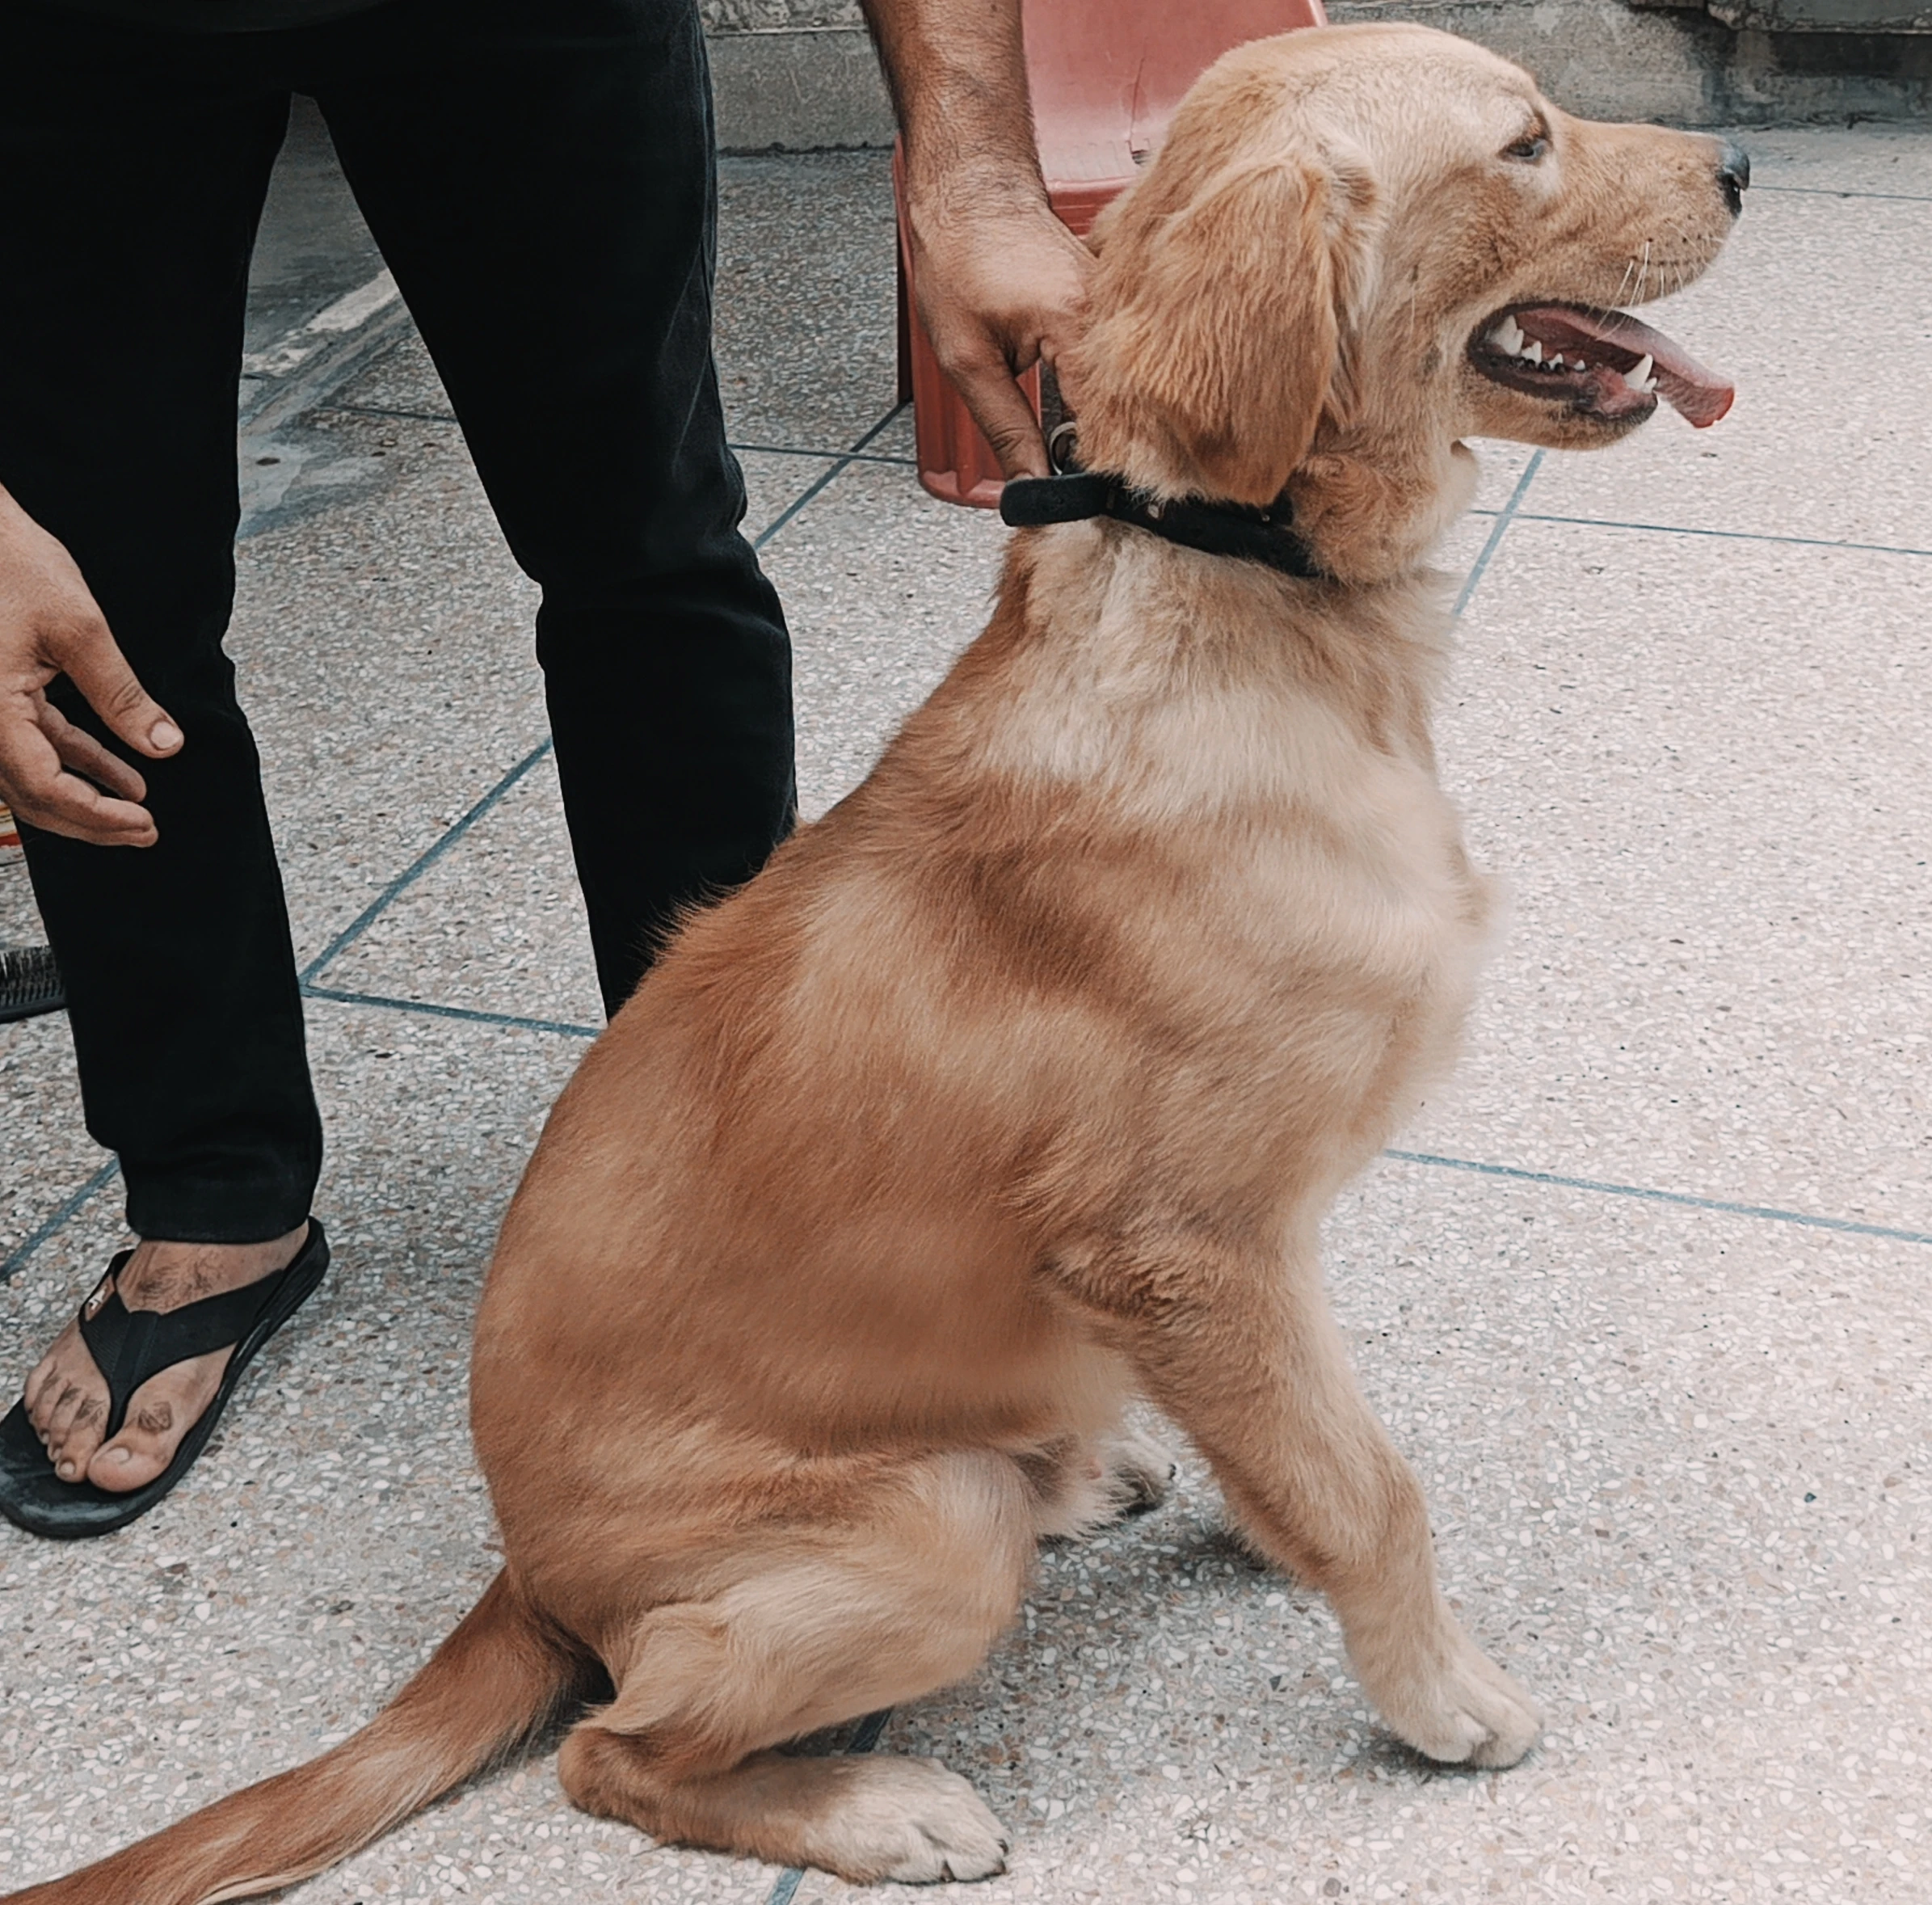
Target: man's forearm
{"x": 958, "y": 72}
{"x": 999, "y": 279}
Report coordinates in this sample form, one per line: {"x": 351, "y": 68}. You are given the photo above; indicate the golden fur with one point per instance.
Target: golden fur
{"x": 1020, "y": 1084}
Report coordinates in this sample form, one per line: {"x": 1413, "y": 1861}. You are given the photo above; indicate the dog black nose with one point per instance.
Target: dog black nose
{"x": 1734, "y": 175}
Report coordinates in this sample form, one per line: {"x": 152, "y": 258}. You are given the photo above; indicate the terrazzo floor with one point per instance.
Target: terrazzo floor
{"x": 1647, "y": 1295}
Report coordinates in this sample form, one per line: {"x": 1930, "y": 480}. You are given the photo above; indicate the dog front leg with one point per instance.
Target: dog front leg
{"x": 1244, "y": 1356}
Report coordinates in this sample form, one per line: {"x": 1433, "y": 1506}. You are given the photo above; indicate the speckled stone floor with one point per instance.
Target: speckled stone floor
{"x": 1647, "y": 1294}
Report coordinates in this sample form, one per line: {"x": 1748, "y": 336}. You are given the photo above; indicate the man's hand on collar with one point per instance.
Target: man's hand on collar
{"x": 1001, "y": 281}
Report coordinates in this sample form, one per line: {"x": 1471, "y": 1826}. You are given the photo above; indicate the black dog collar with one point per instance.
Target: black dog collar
{"x": 1216, "y": 529}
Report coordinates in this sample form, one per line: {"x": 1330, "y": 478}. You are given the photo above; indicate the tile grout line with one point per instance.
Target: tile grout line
{"x": 343, "y": 940}
{"x": 1599, "y": 522}
{"x": 563, "y": 1028}
{"x": 306, "y": 977}
{"x": 1529, "y": 516}
{"x": 264, "y": 403}
{"x": 760, "y": 449}
{"x": 1766, "y": 1212}
{"x": 71, "y": 1206}
{"x": 793, "y": 449}
{"x": 418, "y": 867}
{"x": 814, "y": 489}
{"x": 785, "y": 1889}
{"x": 1507, "y": 514}
{"x": 383, "y": 410}
{"x": 1833, "y": 191}
{"x": 62, "y": 1212}
{"x": 1503, "y": 517}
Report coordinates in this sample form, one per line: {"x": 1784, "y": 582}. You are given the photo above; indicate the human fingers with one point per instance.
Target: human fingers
{"x": 50, "y": 624}
{"x": 1002, "y": 411}
{"x": 82, "y": 754}
{"x": 84, "y": 650}
{"x": 39, "y": 788}
{"x": 999, "y": 291}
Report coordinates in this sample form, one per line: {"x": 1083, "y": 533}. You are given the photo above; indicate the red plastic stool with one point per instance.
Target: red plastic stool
{"x": 1106, "y": 76}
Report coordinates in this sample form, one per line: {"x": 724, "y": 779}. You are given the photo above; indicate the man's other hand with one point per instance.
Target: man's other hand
{"x": 52, "y": 774}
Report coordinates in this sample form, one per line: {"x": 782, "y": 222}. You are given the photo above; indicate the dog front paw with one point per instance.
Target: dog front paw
{"x": 1454, "y": 1703}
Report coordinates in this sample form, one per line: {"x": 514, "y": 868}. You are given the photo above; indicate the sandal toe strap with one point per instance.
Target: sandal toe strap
{"x": 130, "y": 1346}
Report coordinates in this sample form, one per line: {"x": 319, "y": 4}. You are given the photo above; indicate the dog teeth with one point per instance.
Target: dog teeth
{"x": 1638, "y": 376}
{"x": 1510, "y": 338}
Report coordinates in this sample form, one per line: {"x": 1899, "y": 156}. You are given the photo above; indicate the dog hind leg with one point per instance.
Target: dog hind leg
{"x": 878, "y": 1610}
{"x": 1086, "y": 1482}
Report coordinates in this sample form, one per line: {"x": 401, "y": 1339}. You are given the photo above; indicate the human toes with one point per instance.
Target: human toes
{"x": 47, "y": 1381}
{"x": 144, "y": 1448}
{"x": 160, "y": 1413}
{"x": 66, "y": 1404}
{"x": 71, "y": 1427}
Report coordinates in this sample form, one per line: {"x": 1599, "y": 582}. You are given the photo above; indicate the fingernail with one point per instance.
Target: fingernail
{"x": 120, "y": 1454}
{"x": 165, "y": 734}
{"x": 66, "y": 1471}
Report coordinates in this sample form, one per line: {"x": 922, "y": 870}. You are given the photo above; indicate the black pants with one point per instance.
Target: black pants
{"x": 539, "y": 175}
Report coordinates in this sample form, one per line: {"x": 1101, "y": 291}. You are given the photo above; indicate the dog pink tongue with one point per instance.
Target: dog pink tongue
{"x": 1698, "y": 395}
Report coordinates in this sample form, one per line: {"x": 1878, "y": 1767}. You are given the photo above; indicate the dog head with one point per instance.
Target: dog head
{"x": 1360, "y": 244}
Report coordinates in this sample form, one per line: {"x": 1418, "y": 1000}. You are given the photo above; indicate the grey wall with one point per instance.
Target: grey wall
{"x": 795, "y": 73}
{"x": 801, "y": 74}
{"x": 748, "y": 16}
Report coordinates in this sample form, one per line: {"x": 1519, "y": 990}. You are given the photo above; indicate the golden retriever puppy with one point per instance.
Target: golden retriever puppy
{"x": 1019, "y": 1085}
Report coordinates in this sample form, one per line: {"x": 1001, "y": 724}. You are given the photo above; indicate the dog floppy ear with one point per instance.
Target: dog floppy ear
{"x": 1215, "y": 327}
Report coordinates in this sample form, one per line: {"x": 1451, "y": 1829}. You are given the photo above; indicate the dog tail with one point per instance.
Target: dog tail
{"x": 499, "y": 1675}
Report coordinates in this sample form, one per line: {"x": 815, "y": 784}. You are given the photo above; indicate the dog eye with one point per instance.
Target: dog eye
{"x": 1529, "y": 148}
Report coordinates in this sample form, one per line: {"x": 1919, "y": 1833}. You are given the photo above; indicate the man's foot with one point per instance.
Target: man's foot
{"x": 67, "y": 1395}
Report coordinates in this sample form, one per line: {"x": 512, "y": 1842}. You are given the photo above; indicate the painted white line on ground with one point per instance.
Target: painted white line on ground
{"x": 350, "y": 312}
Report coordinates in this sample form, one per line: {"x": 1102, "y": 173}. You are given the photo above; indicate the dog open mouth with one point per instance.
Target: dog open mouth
{"x": 1605, "y": 364}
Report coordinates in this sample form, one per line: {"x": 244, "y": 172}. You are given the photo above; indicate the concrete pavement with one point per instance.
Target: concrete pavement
{"x": 1645, "y": 1295}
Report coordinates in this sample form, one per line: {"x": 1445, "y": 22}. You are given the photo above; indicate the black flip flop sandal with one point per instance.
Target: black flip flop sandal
{"x": 130, "y": 1346}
